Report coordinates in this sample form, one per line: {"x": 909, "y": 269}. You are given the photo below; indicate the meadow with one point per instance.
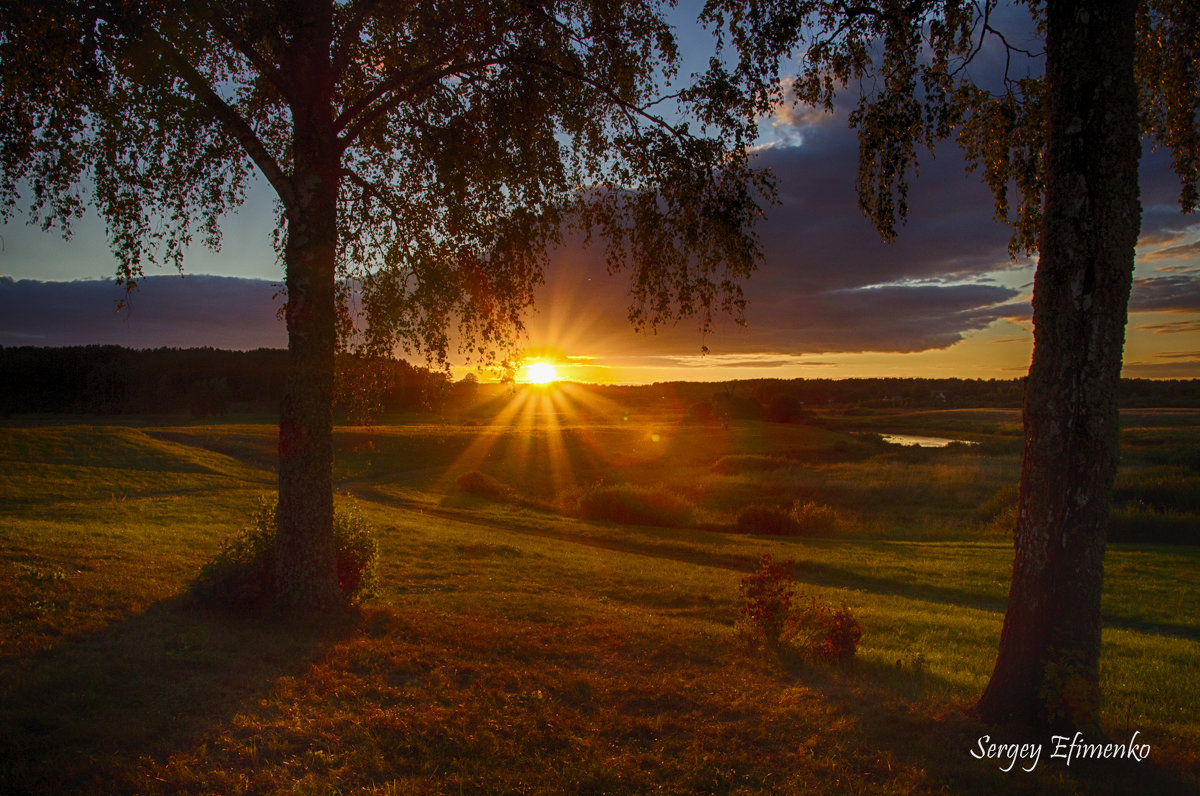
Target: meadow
{"x": 516, "y": 647}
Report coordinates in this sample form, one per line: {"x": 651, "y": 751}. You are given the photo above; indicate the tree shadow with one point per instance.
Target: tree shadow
{"x": 142, "y": 686}
{"x": 889, "y": 709}
{"x": 658, "y": 543}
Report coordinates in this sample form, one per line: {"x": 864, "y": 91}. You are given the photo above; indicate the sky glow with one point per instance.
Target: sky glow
{"x": 829, "y": 299}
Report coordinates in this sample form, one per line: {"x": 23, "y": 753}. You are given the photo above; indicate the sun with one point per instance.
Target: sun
{"x": 541, "y": 372}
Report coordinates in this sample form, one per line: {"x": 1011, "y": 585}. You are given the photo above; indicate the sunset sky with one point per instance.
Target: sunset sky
{"x": 829, "y": 299}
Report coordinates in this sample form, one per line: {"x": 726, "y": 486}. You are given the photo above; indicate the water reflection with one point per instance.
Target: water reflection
{"x": 922, "y": 442}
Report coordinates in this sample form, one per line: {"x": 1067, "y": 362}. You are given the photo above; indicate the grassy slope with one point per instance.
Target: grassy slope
{"x": 518, "y": 650}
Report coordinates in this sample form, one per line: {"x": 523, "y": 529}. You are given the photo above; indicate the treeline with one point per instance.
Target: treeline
{"x": 208, "y": 382}
{"x": 785, "y": 400}
{"x": 204, "y": 382}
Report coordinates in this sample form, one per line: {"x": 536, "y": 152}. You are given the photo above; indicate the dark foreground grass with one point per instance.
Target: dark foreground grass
{"x": 512, "y": 650}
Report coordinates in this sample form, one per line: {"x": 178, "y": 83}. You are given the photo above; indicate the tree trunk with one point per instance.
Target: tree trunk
{"x": 1047, "y": 669}
{"x": 306, "y": 572}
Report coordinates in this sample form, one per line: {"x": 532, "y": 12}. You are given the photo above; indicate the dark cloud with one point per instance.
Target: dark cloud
{"x": 1163, "y": 222}
{"x": 1170, "y": 293}
{"x": 827, "y": 282}
{"x": 818, "y": 237}
{"x": 1180, "y": 365}
{"x": 581, "y": 309}
{"x": 1173, "y": 327}
{"x": 890, "y": 318}
{"x": 1182, "y": 251}
{"x": 1190, "y": 356}
{"x": 199, "y": 310}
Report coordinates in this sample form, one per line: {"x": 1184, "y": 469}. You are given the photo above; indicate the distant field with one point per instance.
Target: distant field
{"x": 517, "y": 648}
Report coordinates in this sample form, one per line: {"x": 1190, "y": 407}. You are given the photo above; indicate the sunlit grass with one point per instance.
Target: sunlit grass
{"x": 513, "y": 648}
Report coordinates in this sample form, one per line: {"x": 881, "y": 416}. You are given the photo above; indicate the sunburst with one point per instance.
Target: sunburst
{"x": 541, "y": 372}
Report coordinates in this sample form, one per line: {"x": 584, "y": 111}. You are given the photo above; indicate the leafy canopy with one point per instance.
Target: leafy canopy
{"x": 464, "y": 138}
{"x": 917, "y": 67}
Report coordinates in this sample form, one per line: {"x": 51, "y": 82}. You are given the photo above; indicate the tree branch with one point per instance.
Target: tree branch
{"x": 628, "y": 107}
{"x": 360, "y": 12}
{"x": 369, "y": 189}
{"x": 233, "y": 121}
{"x": 244, "y": 46}
{"x": 352, "y": 121}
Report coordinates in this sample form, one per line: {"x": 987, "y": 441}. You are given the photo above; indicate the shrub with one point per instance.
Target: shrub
{"x": 728, "y": 406}
{"x": 735, "y": 464}
{"x": 784, "y": 409}
{"x": 764, "y": 519}
{"x": 813, "y": 518}
{"x": 821, "y": 631}
{"x": 482, "y": 485}
{"x": 1162, "y": 489}
{"x": 813, "y": 628}
{"x": 700, "y": 413}
{"x": 768, "y": 595}
{"x": 356, "y": 551}
{"x": 242, "y": 573}
{"x": 1000, "y": 511}
{"x": 634, "y": 505}
{"x": 1002, "y": 504}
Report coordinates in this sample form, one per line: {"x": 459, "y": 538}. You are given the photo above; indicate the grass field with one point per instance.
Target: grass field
{"x": 515, "y": 648}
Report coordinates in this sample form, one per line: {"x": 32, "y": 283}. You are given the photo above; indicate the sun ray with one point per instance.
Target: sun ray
{"x": 552, "y": 437}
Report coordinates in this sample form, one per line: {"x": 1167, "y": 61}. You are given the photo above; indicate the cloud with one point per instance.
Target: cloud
{"x": 887, "y": 319}
{"x": 819, "y": 237}
{"x": 748, "y": 360}
{"x": 827, "y": 283}
{"x": 1171, "y": 293}
{"x": 1163, "y": 223}
{"x": 199, "y": 310}
{"x": 1173, "y": 327}
{"x": 788, "y": 113}
{"x": 1180, "y": 252}
{"x": 1160, "y": 237}
{"x": 1181, "y": 365}
{"x": 801, "y": 117}
{"x": 1190, "y": 356}
{"x": 582, "y": 309}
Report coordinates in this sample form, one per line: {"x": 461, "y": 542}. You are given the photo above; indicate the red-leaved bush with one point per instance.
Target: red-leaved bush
{"x": 814, "y": 628}
{"x": 823, "y": 631}
{"x": 768, "y": 594}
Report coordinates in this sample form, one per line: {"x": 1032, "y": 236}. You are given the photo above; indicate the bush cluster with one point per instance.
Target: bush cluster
{"x": 635, "y": 505}
{"x": 737, "y": 463}
{"x": 813, "y": 518}
{"x": 814, "y": 628}
{"x": 482, "y": 485}
{"x": 1162, "y": 489}
{"x": 766, "y": 519}
{"x": 823, "y": 631}
{"x": 242, "y": 573}
{"x": 804, "y": 518}
{"x": 768, "y": 597}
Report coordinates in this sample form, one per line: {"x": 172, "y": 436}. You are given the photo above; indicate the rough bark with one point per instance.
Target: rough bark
{"x": 306, "y": 572}
{"x": 1047, "y": 669}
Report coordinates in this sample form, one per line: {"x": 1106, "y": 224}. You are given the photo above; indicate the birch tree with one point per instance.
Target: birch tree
{"x": 426, "y": 153}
